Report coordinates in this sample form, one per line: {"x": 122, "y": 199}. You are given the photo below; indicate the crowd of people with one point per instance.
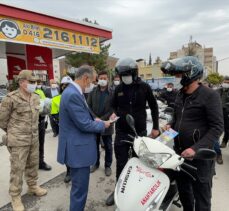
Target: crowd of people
{"x": 87, "y": 109}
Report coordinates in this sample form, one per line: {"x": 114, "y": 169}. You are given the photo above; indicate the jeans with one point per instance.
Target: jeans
{"x": 107, "y": 140}
{"x": 217, "y": 148}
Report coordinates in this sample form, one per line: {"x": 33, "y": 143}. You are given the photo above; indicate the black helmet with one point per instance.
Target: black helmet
{"x": 189, "y": 66}
{"x": 127, "y": 66}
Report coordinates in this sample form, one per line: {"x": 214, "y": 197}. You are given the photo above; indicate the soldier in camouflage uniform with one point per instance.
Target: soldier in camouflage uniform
{"x": 19, "y": 113}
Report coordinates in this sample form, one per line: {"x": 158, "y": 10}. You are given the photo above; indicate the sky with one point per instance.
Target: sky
{"x": 141, "y": 27}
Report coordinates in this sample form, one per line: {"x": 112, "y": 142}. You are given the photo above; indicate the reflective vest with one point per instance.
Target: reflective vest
{"x": 40, "y": 93}
{"x": 55, "y": 106}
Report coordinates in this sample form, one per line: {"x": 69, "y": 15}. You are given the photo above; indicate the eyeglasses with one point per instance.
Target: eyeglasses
{"x": 32, "y": 82}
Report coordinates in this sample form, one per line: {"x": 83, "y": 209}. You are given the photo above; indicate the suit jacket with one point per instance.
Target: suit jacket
{"x": 77, "y": 133}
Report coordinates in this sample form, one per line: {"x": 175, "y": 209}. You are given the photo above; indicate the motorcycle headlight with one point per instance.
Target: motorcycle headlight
{"x": 152, "y": 159}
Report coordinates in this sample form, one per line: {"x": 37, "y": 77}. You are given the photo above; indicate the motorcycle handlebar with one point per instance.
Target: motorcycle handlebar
{"x": 190, "y": 167}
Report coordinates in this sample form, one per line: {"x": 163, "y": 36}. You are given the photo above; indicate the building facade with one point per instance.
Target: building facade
{"x": 205, "y": 55}
{"x": 147, "y": 72}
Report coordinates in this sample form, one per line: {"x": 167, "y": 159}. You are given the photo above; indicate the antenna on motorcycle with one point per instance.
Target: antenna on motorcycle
{"x": 130, "y": 121}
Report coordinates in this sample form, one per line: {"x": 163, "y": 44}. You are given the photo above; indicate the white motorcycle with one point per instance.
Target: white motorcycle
{"x": 142, "y": 185}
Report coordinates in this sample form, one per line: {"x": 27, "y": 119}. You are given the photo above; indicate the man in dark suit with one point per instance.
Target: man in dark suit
{"x": 77, "y": 136}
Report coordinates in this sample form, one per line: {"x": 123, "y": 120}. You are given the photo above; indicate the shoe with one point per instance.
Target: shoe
{"x": 93, "y": 168}
{"x": 219, "y": 159}
{"x": 108, "y": 171}
{"x": 110, "y": 200}
{"x": 223, "y": 144}
{"x": 37, "y": 190}
{"x": 67, "y": 178}
{"x": 17, "y": 203}
{"x": 45, "y": 166}
{"x": 55, "y": 135}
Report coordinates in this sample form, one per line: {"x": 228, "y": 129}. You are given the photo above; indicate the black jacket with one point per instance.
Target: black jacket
{"x": 93, "y": 102}
{"x": 169, "y": 97}
{"x": 198, "y": 119}
{"x": 132, "y": 99}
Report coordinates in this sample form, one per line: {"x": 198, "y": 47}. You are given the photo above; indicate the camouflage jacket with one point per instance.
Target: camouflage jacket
{"x": 19, "y": 118}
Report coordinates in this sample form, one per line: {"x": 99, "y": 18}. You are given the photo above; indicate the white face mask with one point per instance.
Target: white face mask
{"x": 169, "y": 89}
{"x": 116, "y": 83}
{"x": 225, "y": 85}
{"x": 54, "y": 86}
{"x": 38, "y": 86}
{"x": 89, "y": 89}
{"x": 31, "y": 88}
{"x": 127, "y": 79}
{"x": 102, "y": 82}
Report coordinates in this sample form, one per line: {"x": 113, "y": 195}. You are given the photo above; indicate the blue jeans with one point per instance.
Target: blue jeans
{"x": 107, "y": 140}
{"x": 217, "y": 148}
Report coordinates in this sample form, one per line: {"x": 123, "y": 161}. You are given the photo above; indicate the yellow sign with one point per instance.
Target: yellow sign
{"x": 19, "y": 31}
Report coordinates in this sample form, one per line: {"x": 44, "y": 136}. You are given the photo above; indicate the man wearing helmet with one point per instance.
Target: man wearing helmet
{"x": 130, "y": 97}
{"x": 199, "y": 120}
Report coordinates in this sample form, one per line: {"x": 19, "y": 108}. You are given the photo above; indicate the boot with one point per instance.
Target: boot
{"x": 219, "y": 159}
{"x": 17, "y": 203}
{"x": 110, "y": 199}
{"x": 223, "y": 144}
{"x": 37, "y": 190}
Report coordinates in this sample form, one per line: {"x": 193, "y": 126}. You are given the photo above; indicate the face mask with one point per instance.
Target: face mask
{"x": 31, "y": 88}
{"x": 169, "y": 89}
{"x": 54, "y": 86}
{"x": 38, "y": 86}
{"x": 116, "y": 83}
{"x": 89, "y": 89}
{"x": 225, "y": 85}
{"x": 102, "y": 82}
{"x": 127, "y": 79}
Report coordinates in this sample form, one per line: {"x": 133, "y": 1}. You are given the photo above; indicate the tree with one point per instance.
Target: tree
{"x": 215, "y": 78}
{"x": 99, "y": 61}
{"x": 150, "y": 59}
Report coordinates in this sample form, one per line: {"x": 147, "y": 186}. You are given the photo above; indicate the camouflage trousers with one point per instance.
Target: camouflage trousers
{"x": 23, "y": 160}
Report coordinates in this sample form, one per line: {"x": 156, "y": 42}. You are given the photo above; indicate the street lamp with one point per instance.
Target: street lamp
{"x": 217, "y": 62}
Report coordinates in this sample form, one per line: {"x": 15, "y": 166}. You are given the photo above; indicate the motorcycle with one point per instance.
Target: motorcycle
{"x": 143, "y": 184}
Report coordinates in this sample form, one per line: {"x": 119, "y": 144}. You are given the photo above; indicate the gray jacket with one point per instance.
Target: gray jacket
{"x": 93, "y": 101}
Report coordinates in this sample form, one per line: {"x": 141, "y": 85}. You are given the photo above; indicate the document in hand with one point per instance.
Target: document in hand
{"x": 114, "y": 120}
{"x": 167, "y": 136}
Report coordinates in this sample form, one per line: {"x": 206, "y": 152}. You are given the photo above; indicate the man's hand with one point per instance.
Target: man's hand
{"x": 188, "y": 153}
{"x": 113, "y": 116}
{"x": 98, "y": 119}
{"x": 107, "y": 124}
{"x": 154, "y": 133}
{"x": 166, "y": 127}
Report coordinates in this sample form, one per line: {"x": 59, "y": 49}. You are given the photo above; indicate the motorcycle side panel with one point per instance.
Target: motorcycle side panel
{"x": 138, "y": 186}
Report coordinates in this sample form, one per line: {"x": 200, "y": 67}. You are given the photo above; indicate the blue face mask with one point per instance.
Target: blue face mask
{"x": 31, "y": 88}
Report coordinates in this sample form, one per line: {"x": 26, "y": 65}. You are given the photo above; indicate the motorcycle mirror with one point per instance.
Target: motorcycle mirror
{"x": 130, "y": 121}
{"x": 205, "y": 154}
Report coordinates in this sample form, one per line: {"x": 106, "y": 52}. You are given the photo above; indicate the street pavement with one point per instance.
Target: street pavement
{"x": 101, "y": 186}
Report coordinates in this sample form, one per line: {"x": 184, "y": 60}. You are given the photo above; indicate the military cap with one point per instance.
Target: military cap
{"x": 27, "y": 75}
